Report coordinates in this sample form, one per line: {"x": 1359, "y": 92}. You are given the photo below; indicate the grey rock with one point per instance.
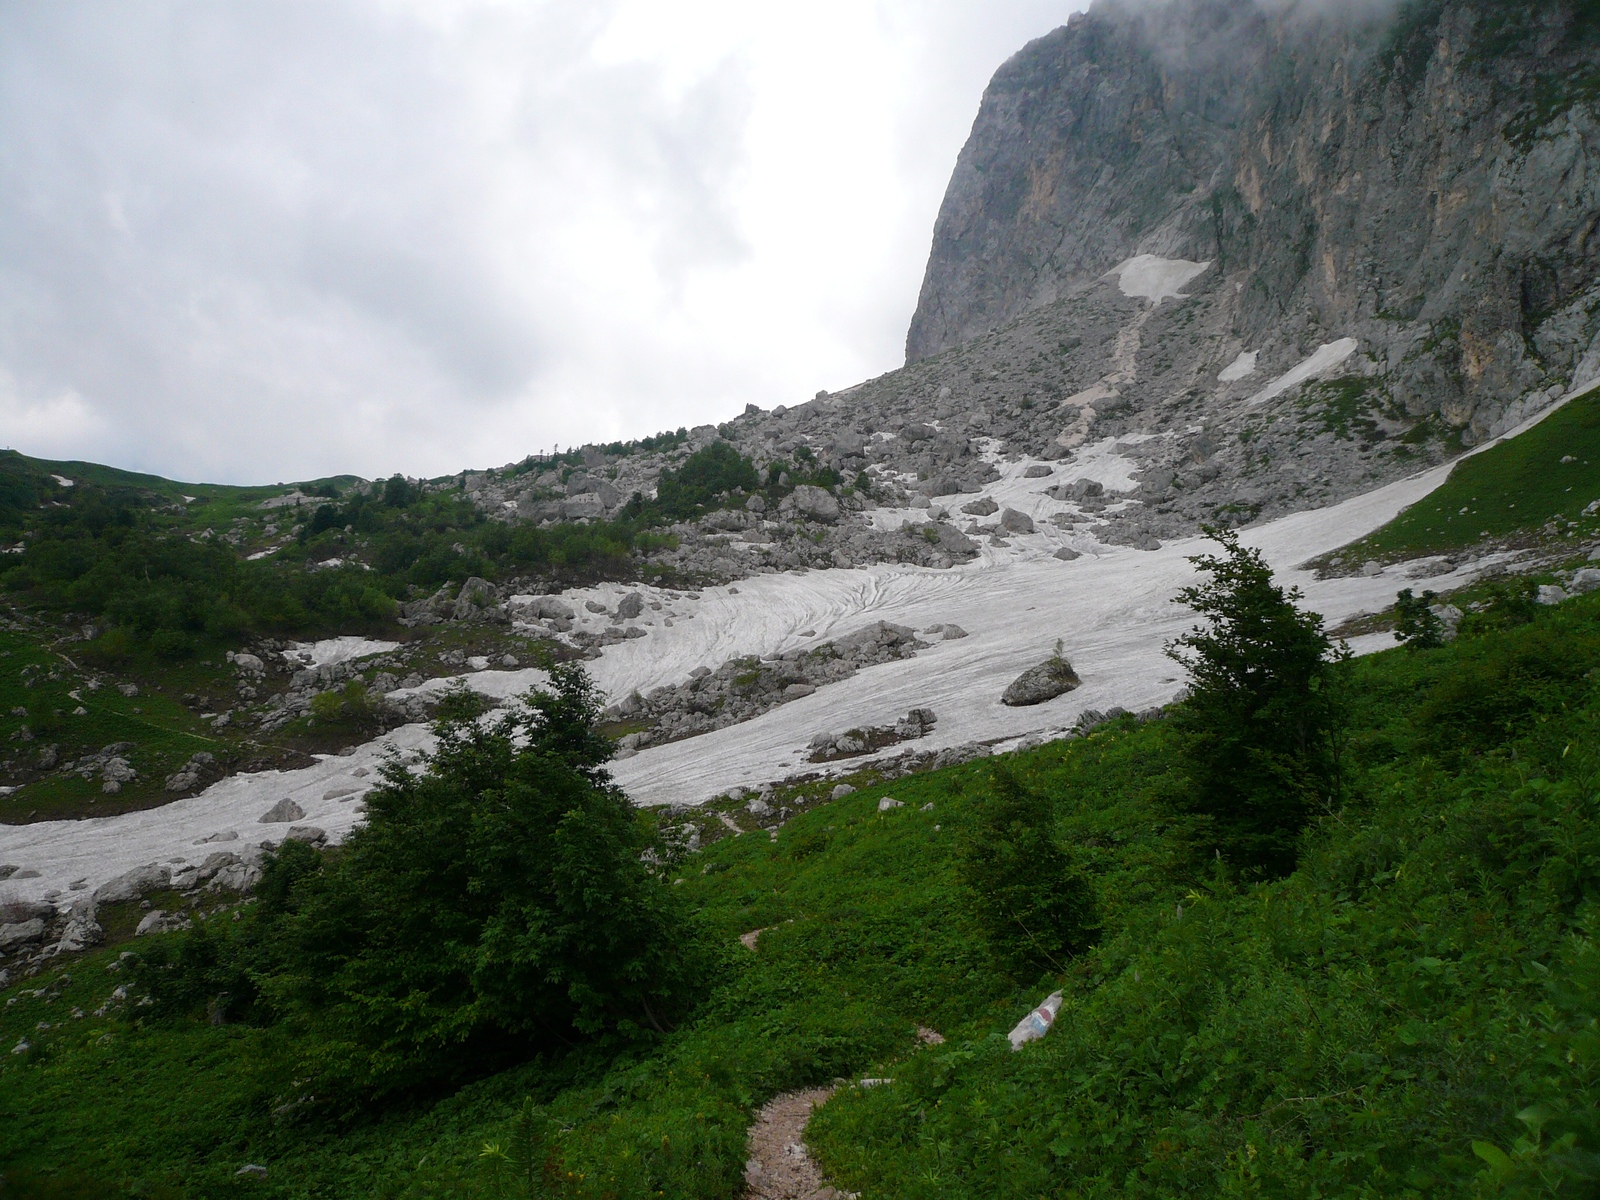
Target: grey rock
{"x": 1585, "y": 580}
{"x": 585, "y": 507}
{"x": 1370, "y": 568}
{"x": 551, "y": 608}
{"x": 1013, "y": 521}
{"x": 630, "y": 606}
{"x": 21, "y": 933}
{"x": 133, "y": 885}
{"x": 889, "y": 802}
{"x": 1549, "y": 593}
{"x": 1051, "y": 678}
{"x": 813, "y": 504}
{"x": 840, "y": 791}
{"x": 953, "y": 632}
{"x": 1067, "y": 554}
{"x": 1038, "y": 471}
{"x": 475, "y": 597}
{"x": 282, "y": 812}
{"x": 153, "y": 921}
{"x": 980, "y": 508}
{"x": 309, "y": 834}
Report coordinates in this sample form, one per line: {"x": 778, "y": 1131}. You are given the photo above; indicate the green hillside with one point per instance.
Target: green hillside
{"x": 1544, "y": 483}
{"x": 1411, "y": 1012}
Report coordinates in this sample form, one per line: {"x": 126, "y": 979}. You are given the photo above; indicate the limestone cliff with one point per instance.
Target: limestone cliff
{"x": 1424, "y": 180}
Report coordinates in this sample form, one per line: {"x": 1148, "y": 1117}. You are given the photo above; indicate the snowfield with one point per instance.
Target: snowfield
{"x": 1112, "y": 609}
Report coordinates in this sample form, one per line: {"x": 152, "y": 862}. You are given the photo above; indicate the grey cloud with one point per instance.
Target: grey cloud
{"x": 265, "y": 241}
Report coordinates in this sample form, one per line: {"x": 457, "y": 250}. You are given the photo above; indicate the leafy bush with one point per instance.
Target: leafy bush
{"x": 1035, "y": 909}
{"x": 705, "y": 475}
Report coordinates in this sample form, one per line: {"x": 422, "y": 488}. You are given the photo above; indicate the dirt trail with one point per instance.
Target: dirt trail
{"x": 779, "y": 1168}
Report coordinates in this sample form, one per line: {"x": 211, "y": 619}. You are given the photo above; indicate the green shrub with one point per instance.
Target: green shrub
{"x": 1263, "y": 722}
{"x": 1035, "y": 909}
{"x": 493, "y": 906}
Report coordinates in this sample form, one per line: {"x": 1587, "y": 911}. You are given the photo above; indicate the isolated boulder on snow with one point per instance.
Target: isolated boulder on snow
{"x": 1051, "y": 678}
{"x": 630, "y": 606}
{"x": 1013, "y": 521}
{"x": 282, "y": 812}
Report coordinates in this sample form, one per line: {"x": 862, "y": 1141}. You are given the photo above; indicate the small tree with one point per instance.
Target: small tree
{"x": 493, "y": 906}
{"x": 1034, "y": 908}
{"x": 1262, "y": 726}
{"x": 1416, "y": 624}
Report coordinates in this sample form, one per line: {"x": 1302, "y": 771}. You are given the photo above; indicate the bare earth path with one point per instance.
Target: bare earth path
{"x": 779, "y": 1167}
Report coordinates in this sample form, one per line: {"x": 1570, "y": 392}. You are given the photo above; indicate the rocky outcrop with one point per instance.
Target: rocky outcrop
{"x": 743, "y": 688}
{"x": 1422, "y": 178}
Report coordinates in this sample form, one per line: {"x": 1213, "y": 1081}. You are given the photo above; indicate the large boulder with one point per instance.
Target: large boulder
{"x": 1585, "y": 580}
{"x": 813, "y": 504}
{"x": 476, "y": 595}
{"x": 551, "y": 608}
{"x": 1013, "y": 521}
{"x": 952, "y": 540}
{"x": 22, "y": 933}
{"x": 133, "y": 885}
{"x": 587, "y": 505}
{"x": 283, "y": 812}
{"x": 1051, "y": 678}
{"x": 630, "y": 606}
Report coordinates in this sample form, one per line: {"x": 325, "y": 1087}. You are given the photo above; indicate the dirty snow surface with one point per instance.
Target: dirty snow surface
{"x": 336, "y": 650}
{"x": 1112, "y": 608}
{"x": 1156, "y": 279}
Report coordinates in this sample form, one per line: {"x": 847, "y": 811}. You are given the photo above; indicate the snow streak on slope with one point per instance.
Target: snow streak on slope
{"x": 1324, "y": 358}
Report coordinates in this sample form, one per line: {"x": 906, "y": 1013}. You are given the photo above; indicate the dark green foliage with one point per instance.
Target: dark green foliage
{"x": 706, "y": 474}
{"x": 1416, "y": 624}
{"x": 1261, "y": 727}
{"x": 1035, "y": 909}
{"x": 1506, "y": 604}
{"x": 492, "y": 906}
{"x": 1412, "y": 1012}
{"x": 1499, "y": 688}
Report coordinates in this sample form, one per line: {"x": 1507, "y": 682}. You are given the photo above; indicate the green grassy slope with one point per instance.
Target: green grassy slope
{"x": 1539, "y": 481}
{"x": 1372, "y": 1025}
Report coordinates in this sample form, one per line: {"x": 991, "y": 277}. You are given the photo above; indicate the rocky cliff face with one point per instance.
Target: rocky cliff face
{"x": 1423, "y": 180}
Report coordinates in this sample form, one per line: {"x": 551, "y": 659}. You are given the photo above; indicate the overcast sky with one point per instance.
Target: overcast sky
{"x": 249, "y": 242}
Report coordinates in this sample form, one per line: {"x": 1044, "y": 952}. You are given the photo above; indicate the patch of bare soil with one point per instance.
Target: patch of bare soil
{"x": 779, "y": 1167}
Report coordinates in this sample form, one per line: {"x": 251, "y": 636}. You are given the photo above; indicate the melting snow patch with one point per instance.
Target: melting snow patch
{"x": 337, "y": 650}
{"x": 63, "y": 481}
{"x": 1239, "y": 368}
{"x": 1156, "y": 279}
{"x": 1324, "y": 358}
